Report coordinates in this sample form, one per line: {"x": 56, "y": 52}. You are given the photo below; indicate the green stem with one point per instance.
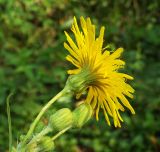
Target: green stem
{"x": 60, "y": 133}
{"x": 44, "y": 109}
{"x": 39, "y": 135}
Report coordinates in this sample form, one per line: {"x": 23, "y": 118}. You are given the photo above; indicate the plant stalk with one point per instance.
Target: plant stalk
{"x": 60, "y": 133}
{"x": 44, "y": 109}
{"x": 39, "y": 135}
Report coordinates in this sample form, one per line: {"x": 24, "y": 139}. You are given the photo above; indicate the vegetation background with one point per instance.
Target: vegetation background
{"x": 33, "y": 65}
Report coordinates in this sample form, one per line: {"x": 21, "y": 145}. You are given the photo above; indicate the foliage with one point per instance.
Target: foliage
{"x": 32, "y": 63}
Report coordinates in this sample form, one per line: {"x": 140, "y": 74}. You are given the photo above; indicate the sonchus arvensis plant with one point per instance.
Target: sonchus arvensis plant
{"x": 97, "y": 75}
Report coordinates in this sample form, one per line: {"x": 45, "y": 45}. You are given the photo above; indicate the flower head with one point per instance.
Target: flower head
{"x": 98, "y": 70}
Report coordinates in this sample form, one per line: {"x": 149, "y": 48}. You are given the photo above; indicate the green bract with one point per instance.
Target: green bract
{"x": 81, "y": 115}
{"x": 62, "y": 119}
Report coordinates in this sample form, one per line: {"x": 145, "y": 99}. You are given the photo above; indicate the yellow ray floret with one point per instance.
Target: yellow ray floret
{"x": 107, "y": 89}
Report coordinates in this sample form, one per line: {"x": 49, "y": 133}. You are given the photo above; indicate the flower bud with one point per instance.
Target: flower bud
{"x": 31, "y": 148}
{"x": 13, "y": 149}
{"x": 46, "y": 144}
{"x": 81, "y": 115}
{"x": 62, "y": 119}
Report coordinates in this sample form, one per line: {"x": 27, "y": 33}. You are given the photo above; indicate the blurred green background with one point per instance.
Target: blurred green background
{"x": 33, "y": 65}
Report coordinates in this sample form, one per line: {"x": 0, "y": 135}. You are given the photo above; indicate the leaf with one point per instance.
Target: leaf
{"x": 9, "y": 121}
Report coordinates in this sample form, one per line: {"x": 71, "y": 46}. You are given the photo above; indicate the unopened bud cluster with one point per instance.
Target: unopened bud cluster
{"x": 59, "y": 121}
{"x": 64, "y": 118}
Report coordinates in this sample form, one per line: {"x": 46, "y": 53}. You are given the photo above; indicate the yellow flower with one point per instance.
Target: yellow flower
{"x": 106, "y": 86}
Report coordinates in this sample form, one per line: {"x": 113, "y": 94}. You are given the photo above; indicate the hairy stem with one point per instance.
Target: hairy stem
{"x": 44, "y": 109}
{"x": 60, "y": 133}
{"x": 40, "y": 135}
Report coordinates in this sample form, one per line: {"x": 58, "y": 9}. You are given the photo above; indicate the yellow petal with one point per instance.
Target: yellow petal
{"x": 117, "y": 53}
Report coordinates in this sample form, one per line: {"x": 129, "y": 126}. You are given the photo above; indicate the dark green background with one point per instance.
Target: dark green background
{"x": 33, "y": 65}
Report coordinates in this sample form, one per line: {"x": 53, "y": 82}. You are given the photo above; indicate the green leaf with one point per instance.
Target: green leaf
{"x": 9, "y": 121}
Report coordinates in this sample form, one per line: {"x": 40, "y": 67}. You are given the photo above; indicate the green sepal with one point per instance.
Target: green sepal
{"x": 81, "y": 115}
{"x": 62, "y": 119}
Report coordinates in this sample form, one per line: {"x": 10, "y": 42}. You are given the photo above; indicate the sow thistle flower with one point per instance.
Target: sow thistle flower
{"x": 97, "y": 72}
